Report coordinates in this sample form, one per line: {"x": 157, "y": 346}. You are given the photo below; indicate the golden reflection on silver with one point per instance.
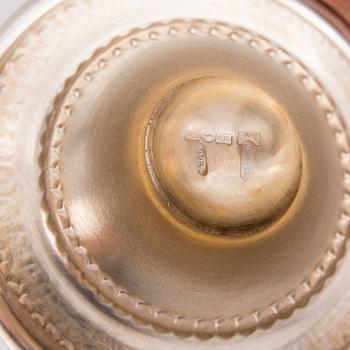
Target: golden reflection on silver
{"x": 223, "y": 155}
{"x": 131, "y": 194}
{"x": 146, "y": 255}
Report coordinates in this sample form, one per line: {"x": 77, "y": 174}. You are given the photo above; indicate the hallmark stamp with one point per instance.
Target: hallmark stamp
{"x": 249, "y": 138}
{"x": 225, "y": 138}
{"x": 208, "y": 137}
{"x": 201, "y": 160}
{"x": 189, "y": 136}
{"x": 249, "y": 141}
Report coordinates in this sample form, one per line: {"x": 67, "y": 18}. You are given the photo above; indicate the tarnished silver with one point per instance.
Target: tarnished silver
{"x": 175, "y": 175}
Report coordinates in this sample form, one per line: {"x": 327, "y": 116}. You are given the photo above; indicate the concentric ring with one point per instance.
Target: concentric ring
{"x": 104, "y": 287}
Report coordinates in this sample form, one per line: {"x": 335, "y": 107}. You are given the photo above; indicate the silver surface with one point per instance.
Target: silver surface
{"x": 113, "y": 234}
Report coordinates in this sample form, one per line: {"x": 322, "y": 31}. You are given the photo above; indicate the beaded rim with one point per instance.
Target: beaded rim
{"x": 105, "y": 289}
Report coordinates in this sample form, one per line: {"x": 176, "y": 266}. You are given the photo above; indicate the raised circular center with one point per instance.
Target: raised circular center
{"x": 223, "y": 155}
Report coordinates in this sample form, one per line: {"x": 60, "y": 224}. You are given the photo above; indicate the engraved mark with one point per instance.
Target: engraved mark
{"x": 201, "y": 160}
{"x": 201, "y": 152}
{"x": 189, "y": 136}
{"x": 220, "y": 137}
{"x": 248, "y": 140}
{"x": 209, "y": 138}
{"x": 225, "y": 138}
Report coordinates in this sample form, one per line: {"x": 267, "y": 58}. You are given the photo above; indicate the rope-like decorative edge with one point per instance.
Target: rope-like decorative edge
{"x": 120, "y": 298}
{"x": 13, "y": 283}
{"x": 18, "y": 288}
{"x": 10, "y": 282}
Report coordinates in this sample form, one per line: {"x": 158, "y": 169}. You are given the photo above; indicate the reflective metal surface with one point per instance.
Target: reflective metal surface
{"x": 225, "y": 153}
{"x": 176, "y": 178}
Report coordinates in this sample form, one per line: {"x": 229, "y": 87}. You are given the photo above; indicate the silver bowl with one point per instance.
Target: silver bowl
{"x": 175, "y": 175}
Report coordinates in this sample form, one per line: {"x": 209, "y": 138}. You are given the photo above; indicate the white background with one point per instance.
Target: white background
{"x": 7, "y": 7}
